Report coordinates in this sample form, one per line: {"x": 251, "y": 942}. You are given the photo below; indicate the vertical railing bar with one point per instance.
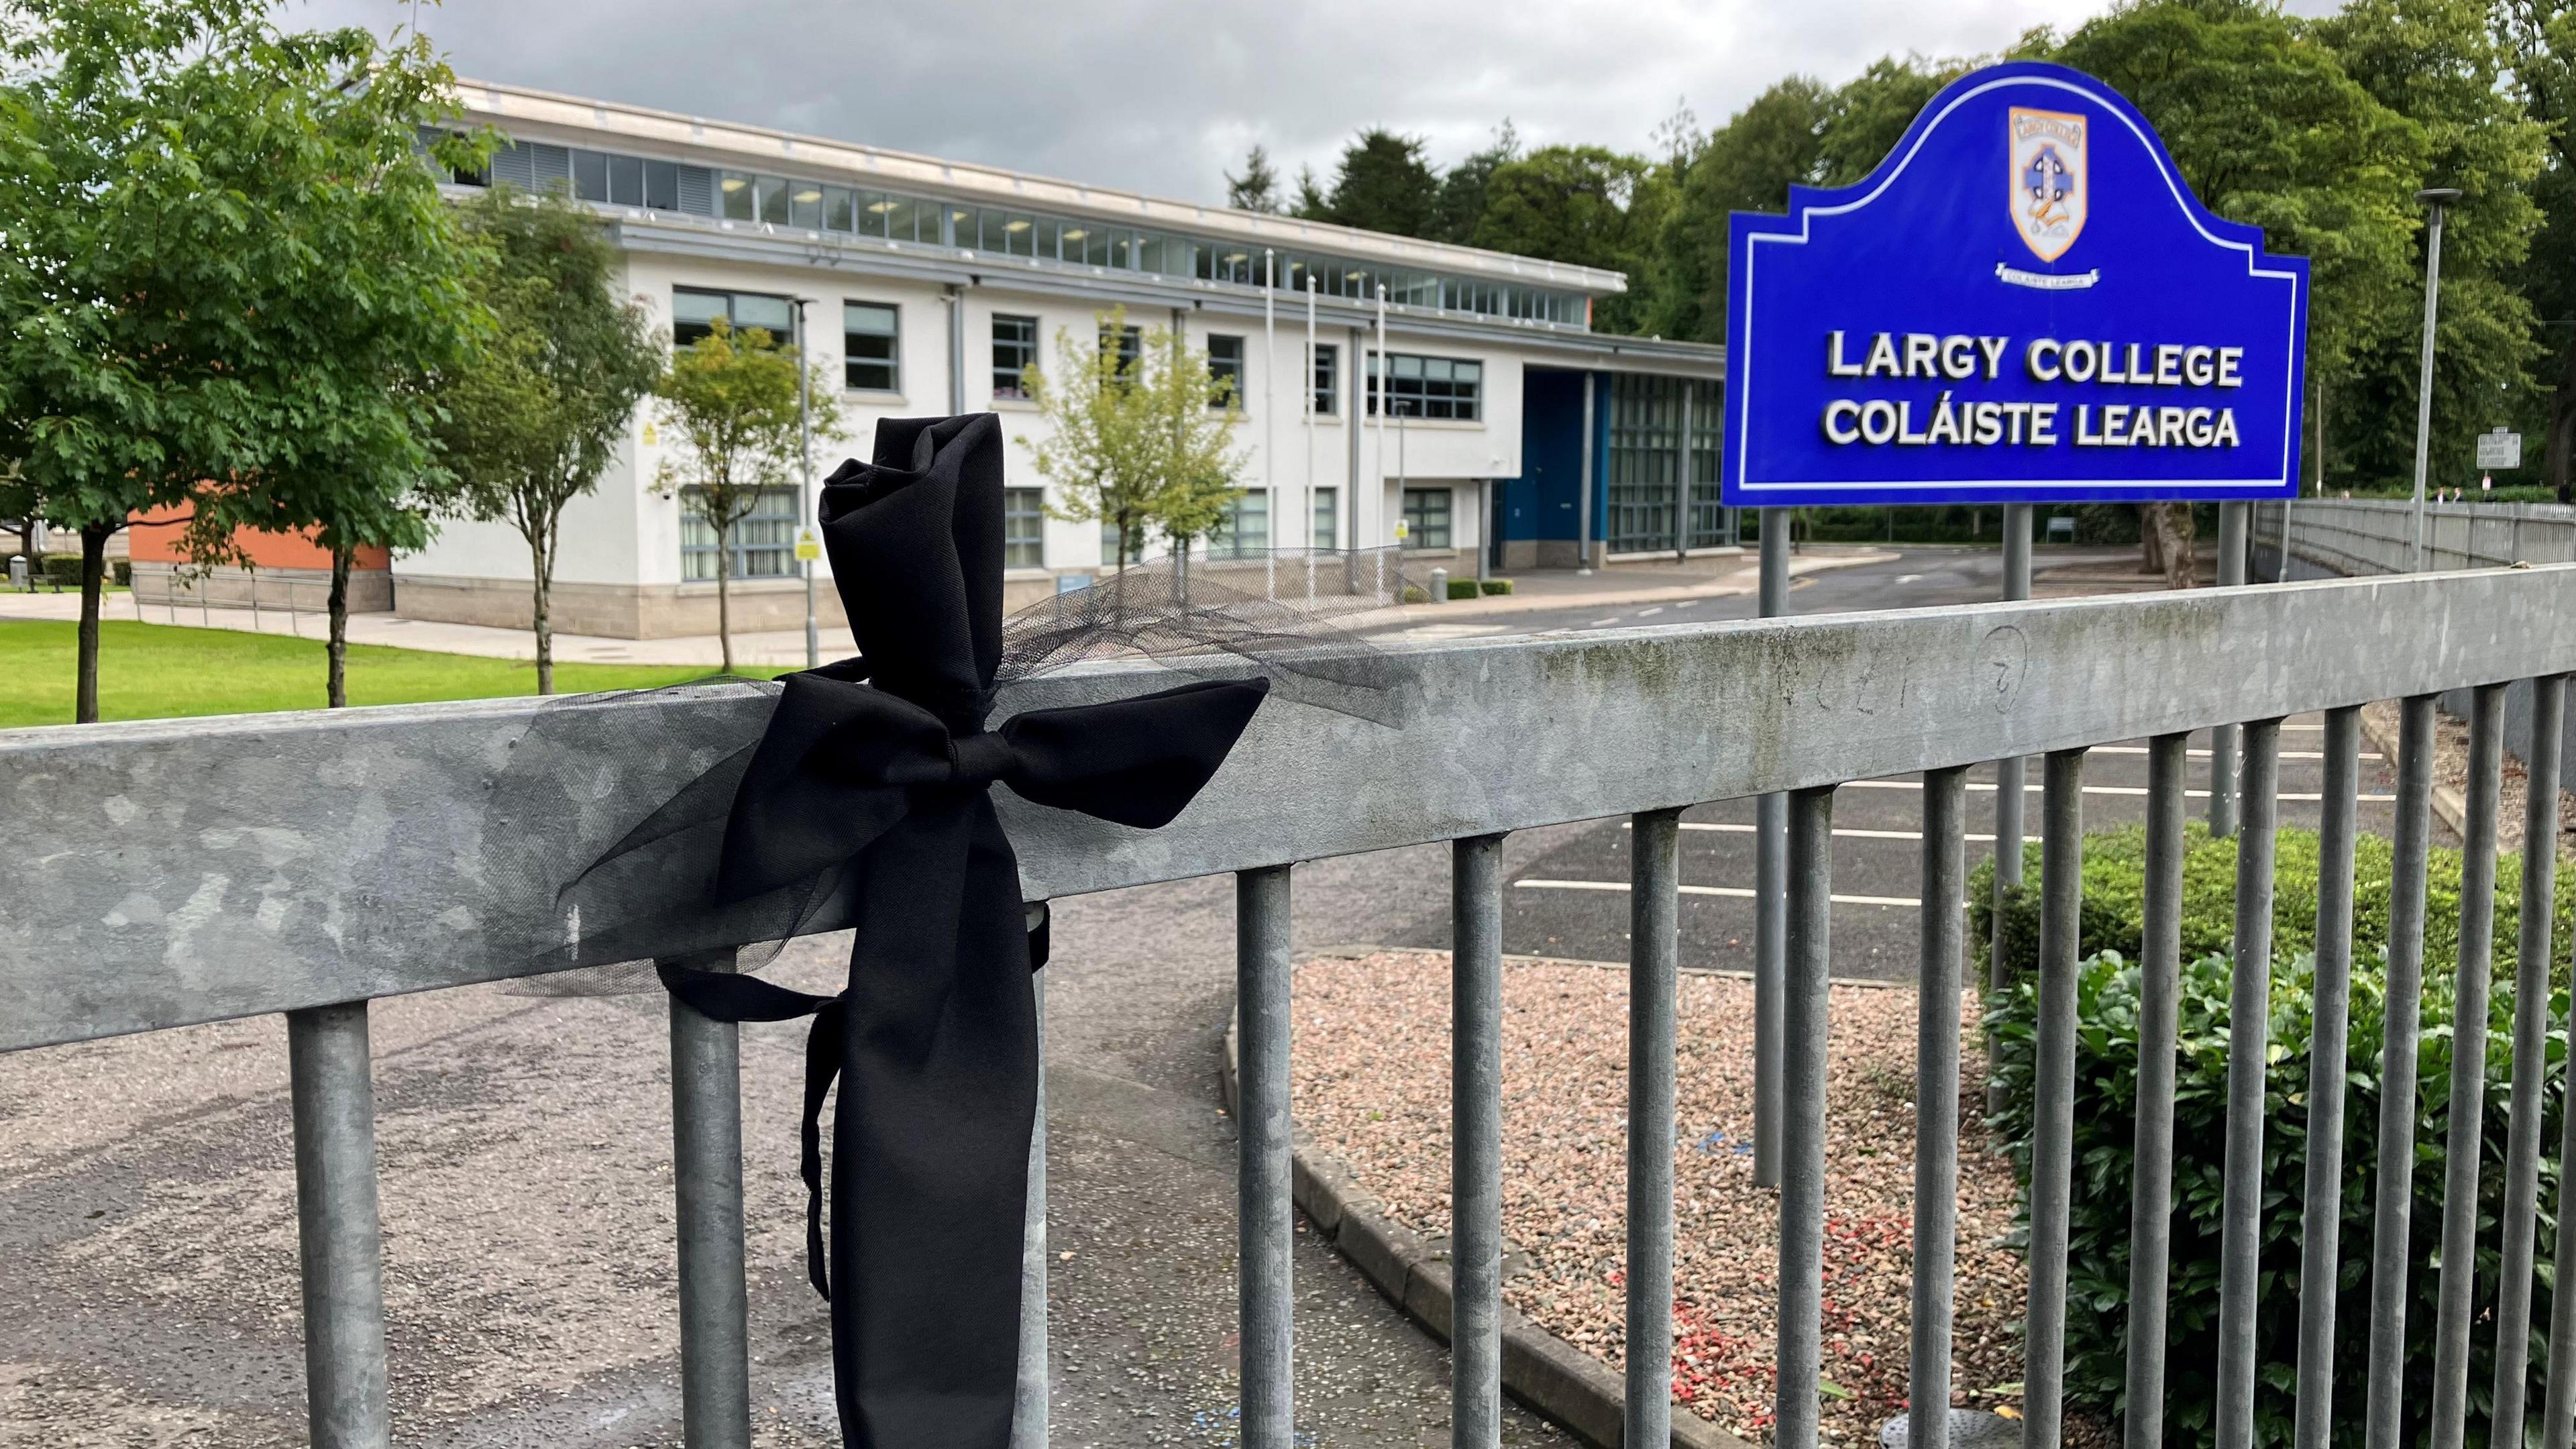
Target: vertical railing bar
{"x": 1030, "y": 1405}
{"x": 2540, "y": 823}
{"x": 2052, "y": 1170}
{"x": 2391, "y": 1250}
{"x": 2467, "y": 1107}
{"x": 2321, "y": 1213}
{"x": 1936, "y": 1107}
{"x": 332, "y": 1083}
{"x": 2249, "y": 1005}
{"x": 1770, "y": 948}
{"x": 706, "y": 1186}
{"x": 1267, "y": 1221}
{"x": 2530, "y": 1058}
{"x": 1803, "y": 1002}
{"x": 2151, "y": 1182}
{"x": 1476, "y": 1144}
{"x": 1654, "y": 918}
{"x": 2225, "y": 792}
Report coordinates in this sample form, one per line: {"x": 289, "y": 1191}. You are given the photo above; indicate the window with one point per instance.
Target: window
{"x": 590, "y": 175}
{"x": 736, "y": 190}
{"x": 1430, "y": 387}
{"x": 693, "y": 312}
{"x": 763, "y": 541}
{"x": 1015, "y": 351}
{"x": 1244, "y": 531}
{"x": 1328, "y": 379}
{"x": 871, "y": 347}
{"x": 1328, "y": 529}
{"x": 662, "y": 185}
{"x": 1225, "y": 365}
{"x": 1130, "y": 343}
{"x": 626, "y": 180}
{"x": 1023, "y": 528}
{"x": 1426, "y": 517}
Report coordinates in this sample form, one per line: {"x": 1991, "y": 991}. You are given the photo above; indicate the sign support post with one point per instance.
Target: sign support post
{"x": 2010, "y": 775}
{"x": 1770, "y": 898}
{"x": 2232, "y": 518}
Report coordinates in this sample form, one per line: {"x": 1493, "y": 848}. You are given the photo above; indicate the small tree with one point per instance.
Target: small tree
{"x": 224, "y": 261}
{"x": 1137, "y": 442}
{"x": 732, "y": 399}
{"x": 534, "y": 419}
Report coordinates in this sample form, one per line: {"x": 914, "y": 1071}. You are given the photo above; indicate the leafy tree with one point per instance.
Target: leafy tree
{"x": 224, "y": 263}
{"x": 2440, "y": 64}
{"x": 1869, "y": 113}
{"x": 1384, "y": 183}
{"x": 1464, "y": 190}
{"x": 2270, "y": 129}
{"x": 1136, "y": 440}
{"x": 1257, "y": 189}
{"x": 1311, "y": 203}
{"x": 1748, "y": 164}
{"x": 731, "y": 397}
{"x": 538, "y": 415}
{"x": 1587, "y": 205}
{"x": 2540, "y": 41}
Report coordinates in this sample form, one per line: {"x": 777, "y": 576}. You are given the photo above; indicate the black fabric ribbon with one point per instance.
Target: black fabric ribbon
{"x": 879, "y": 769}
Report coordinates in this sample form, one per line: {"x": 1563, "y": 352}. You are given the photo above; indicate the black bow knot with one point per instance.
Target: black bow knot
{"x": 882, "y": 789}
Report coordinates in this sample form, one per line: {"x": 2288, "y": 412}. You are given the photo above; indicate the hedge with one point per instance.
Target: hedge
{"x": 2114, "y": 906}
{"x": 2099, "y": 1241}
{"x": 64, "y": 570}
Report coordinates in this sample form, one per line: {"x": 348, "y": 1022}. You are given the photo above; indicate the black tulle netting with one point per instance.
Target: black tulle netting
{"x": 1278, "y": 615}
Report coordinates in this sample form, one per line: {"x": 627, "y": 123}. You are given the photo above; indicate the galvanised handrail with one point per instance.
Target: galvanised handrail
{"x": 2355, "y": 536}
{"x": 178, "y": 872}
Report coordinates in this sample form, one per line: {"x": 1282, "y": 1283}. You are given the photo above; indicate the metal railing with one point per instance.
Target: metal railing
{"x": 2356, "y": 536}
{"x": 169, "y": 595}
{"x": 267, "y": 884}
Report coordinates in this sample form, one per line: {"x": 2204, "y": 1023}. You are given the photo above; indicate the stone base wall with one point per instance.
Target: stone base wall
{"x": 306, "y": 591}
{"x": 647, "y": 611}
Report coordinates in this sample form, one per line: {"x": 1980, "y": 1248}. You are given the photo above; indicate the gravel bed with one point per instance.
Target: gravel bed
{"x": 1372, "y": 1084}
{"x": 2451, "y": 769}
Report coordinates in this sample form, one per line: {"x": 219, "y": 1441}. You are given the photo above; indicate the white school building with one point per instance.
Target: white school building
{"x": 925, "y": 287}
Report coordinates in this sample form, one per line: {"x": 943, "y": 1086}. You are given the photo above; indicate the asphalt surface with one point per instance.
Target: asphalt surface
{"x": 147, "y": 1234}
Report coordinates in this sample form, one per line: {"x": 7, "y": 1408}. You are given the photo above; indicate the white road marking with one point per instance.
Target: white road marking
{"x": 1597, "y": 623}
{"x": 2204, "y": 754}
{"x": 1854, "y": 833}
{"x": 2096, "y": 790}
{"x": 1741, "y": 893}
{"x": 1650, "y": 613}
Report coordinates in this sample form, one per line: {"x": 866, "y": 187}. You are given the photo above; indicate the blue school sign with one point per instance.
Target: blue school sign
{"x": 2023, "y": 303}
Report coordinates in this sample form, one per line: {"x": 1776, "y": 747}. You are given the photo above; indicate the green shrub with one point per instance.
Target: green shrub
{"x": 2115, "y": 889}
{"x": 1414, "y": 594}
{"x": 63, "y": 569}
{"x": 2105, "y": 1127}
{"x": 1498, "y": 586}
{"x": 1462, "y": 588}
{"x": 124, "y": 569}
{"x": 2106, "y": 524}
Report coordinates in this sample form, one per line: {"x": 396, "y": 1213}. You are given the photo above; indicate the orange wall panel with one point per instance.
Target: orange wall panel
{"x": 154, "y": 536}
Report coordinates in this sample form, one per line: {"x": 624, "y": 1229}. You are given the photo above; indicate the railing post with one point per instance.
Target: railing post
{"x": 1654, "y": 919}
{"x": 2249, "y": 1006}
{"x": 1476, "y": 1145}
{"x": 1770, "y": 894}
{"x": 2010, "y": 776}
{"x": 2456, "y": 1307}
{"x": 342, "y": 1240}
{"x": 706, "y": 1182}
{"x": 2393, "y": 1194}
{"x": 2151, "y": 1181}
{"x": 1266, "y": 1221}
{"x": 1936, "y": 1108}
{"x": 2530, "y": 1059}
{"x": 2321, "y": 1214}
{"x": 1029, "y": 1410}
{"x": 2052, "y": 1136}
{"x": 1804, "y": 1000}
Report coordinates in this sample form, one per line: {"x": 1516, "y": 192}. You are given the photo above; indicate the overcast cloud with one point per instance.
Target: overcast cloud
{"x": 1164, "y": 95}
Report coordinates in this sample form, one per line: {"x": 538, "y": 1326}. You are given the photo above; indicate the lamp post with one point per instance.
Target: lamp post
{"x": 2437, "y": 199}
{"x": 805, "y": 488}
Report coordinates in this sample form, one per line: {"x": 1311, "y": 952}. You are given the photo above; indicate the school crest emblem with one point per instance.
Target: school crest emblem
{"x": 2048, "y": 183}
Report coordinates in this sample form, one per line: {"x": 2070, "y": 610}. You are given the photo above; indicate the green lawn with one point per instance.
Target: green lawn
{"x": 153, "y": 671}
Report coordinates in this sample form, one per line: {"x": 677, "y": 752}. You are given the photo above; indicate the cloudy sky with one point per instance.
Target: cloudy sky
{"x": 1164, "y": 95}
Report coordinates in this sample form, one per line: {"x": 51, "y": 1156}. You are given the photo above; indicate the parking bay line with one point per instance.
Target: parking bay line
{"x": 2103, "y": 790}
{"x": 1854, "y": 833}
{"x": 1742, "y": 893}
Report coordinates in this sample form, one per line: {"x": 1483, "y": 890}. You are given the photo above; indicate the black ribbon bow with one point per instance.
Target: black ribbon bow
{"x": 879, "y": 769}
